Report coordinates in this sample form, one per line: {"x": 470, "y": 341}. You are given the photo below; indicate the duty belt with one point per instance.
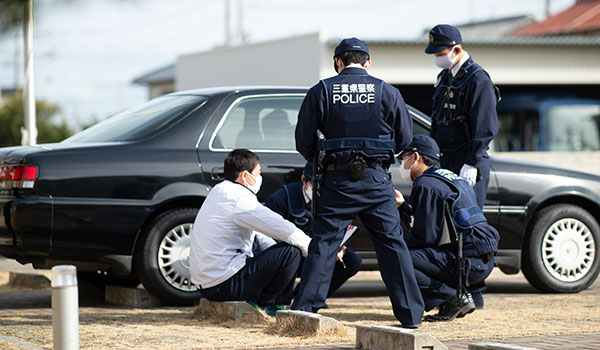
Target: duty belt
{"x": 346, "y": 166}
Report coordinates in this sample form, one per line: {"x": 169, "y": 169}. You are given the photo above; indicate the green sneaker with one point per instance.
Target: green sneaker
{"x": 270, "y": 310}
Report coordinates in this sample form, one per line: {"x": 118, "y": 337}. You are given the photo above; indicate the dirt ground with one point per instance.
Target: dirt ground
{"x": 512, "y": 309}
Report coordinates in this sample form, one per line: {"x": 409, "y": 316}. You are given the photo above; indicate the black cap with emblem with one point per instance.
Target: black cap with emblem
{"x": 443, "y": 36}
{"x": 351, "y": 44}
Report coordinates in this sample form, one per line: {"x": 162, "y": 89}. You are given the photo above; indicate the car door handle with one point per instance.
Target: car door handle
{"x": 217, "y": 173}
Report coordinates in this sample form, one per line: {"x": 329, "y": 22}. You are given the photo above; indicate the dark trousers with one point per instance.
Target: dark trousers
{"x": 454, "y": 163}
{"x": 341, "y": 272}
{"x": 437, "y": 275}
{"x": 268, "y": 278}
{"x": 373, "y": 199}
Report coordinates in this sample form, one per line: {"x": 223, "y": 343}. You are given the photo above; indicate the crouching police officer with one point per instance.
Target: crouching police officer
{"x": 293, "y": 201}
{"x": 464, "y": 119}
{"x": 363, "y": 122}
{"x": 432, "y": 250}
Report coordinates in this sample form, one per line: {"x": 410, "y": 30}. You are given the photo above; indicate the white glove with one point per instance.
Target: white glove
{"x": 469, "y": 173}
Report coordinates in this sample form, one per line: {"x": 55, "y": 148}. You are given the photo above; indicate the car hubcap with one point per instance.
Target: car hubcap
{"x": 174, "y": 258}
{"x": 568, "y": 250}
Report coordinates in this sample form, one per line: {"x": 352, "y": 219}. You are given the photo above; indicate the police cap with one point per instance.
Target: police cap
{"x": 351, "y": 44}
{"x": 308, "y": 171}
{"x": 424, "y": 145}
{"x": 443, "y": 36}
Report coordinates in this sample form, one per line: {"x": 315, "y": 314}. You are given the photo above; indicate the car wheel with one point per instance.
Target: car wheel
{"x": 560, "y": 253}
{"x": 162, "y": 257}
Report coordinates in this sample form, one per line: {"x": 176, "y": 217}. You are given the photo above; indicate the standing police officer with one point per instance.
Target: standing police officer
{"x": 364, "y": 122}
{"x": 464, "y": 119}
{"x": 293, "y": 202}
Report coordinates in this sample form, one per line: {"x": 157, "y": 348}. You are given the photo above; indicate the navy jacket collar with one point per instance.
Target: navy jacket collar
{"x": 354, "y": 71}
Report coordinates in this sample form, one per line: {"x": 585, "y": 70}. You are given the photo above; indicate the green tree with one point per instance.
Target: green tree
{"x": 11, "y": 119}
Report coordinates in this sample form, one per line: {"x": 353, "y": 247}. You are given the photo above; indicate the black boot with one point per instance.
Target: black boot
{"x": 453, "y": 308}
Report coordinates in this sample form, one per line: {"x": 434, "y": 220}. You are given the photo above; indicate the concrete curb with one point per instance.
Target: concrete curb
{"x": 497, "y": 346}
{"x": 307, "y": 321}
{"x": 376, "y": 337}
{"x": 28, "y": 280}
{"x": 127, "y": 296}
{"x": 21, "y": 343}
{"x": 235, "y": 310}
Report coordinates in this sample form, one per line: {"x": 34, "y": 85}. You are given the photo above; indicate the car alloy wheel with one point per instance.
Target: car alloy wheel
{"x": 161, "y": 258}
{"x": 174, "y": 257}
{"x": 568, "y": 249}
{"x": 560, "y": 252}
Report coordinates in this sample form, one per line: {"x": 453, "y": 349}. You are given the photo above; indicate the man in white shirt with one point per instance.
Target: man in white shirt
{"x": 221, "y": 260}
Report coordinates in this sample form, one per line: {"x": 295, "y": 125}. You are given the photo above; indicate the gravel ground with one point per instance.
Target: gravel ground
{"x": 513, "y": 309}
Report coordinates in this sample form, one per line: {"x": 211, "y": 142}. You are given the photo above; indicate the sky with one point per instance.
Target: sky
{"x": 88, "y": 52}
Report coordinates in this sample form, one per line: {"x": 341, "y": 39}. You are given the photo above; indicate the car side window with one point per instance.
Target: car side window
{"x": 260, "y": 123}
{"x": 419, "y": 129}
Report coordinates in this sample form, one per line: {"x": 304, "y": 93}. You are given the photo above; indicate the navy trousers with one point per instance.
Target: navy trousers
{"x": 341, "y": 272}
{"x": 455, "y": 161}
{"x": 268, "y": 278}
{"x": 373, "y": 199}
{"x": 437, "y": 275}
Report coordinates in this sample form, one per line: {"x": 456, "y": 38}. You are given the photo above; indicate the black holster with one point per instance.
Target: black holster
{"x": 356, "y": 168}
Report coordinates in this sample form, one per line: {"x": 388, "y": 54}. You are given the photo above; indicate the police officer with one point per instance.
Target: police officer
{"x": 431, "y": 248}
{"x": 464, "y": 119}
{"x": 293, "y": 202}
{"x": 364, "y": 122}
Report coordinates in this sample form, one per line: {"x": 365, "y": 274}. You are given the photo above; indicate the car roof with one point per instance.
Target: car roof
{"x": 242, "y": 89}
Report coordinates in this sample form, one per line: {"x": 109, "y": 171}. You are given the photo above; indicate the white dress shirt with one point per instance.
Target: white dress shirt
{"x": 224, "y": 230}
{"x": 462, "y": 61}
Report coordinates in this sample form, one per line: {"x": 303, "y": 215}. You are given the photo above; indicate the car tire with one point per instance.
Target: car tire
{"x": 560, "y": 253}
{"x": 161, "y": 258}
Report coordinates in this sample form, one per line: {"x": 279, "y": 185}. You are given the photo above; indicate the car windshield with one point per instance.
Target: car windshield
{"x": 574, "y": 127}
{"x": 139, "y": 122}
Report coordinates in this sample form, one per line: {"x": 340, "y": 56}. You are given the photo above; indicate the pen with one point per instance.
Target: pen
{"x": 342, "y": 261}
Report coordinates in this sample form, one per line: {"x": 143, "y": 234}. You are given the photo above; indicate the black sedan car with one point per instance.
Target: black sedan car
{"x": 120, "y": 198}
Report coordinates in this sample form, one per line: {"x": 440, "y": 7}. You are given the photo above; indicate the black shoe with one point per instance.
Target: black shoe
{"x": 411, "y": 326}
{"x": 461, "y": 315}
{"x": 452, "y": 308}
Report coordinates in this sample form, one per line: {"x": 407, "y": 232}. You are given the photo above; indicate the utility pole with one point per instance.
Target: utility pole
{"x": 547, "y": 9}
{"x": 29, "y": 133}
{"x": 241, "y": 32}
{"x": 228, "y": 33}
{"x": 17, "y": 62}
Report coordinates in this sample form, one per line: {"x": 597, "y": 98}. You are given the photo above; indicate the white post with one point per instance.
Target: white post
{"x": 30, "y": 131}
{"x": 65, "y": 308}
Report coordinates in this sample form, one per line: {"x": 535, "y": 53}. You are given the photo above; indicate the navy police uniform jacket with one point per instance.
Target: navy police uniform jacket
{"x": 464, "y": 118}
{"x": 288, "y": 201}
{"x": 427, "y": 204}
{"x": 358, "y": 114}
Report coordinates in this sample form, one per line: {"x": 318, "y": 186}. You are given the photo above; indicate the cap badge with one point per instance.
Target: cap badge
{"x": 430, "y": 38}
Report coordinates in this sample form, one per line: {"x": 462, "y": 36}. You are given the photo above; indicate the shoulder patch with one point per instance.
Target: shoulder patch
{"x": 445, "y": 173}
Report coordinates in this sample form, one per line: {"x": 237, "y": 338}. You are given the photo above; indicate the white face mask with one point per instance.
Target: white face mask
{"x": 445, "y": 62}
{"x": 257, "y": 182}
{"x": 405, "y": 173}
{"x": 308, "y": 192}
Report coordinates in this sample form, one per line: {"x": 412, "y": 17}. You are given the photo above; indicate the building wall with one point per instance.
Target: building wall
{"x": 159, "y": 89}
{"x": 407, "y": 63}
{"x": 291, "y": 61}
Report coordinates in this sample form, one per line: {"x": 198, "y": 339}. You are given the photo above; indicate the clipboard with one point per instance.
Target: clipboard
{"x": 350, "y": 232}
